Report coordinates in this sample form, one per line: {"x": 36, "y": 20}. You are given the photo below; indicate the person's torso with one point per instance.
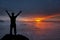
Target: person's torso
{"x": 13, "y": 20}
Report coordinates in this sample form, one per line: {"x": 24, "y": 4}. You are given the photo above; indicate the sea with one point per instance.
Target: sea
{"x": 33, "y": 30}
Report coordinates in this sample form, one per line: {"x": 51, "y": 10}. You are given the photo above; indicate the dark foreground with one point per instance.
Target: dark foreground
{"x": 14, "y": 37}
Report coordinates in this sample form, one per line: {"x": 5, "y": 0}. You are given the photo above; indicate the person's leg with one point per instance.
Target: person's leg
{"x": 10, "y": 30}
{"x": 15, "y": 29}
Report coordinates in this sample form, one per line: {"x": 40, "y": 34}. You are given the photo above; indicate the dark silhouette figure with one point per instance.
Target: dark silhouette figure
{"x": 13, "y": 21}
{"x": 14, "y": 37}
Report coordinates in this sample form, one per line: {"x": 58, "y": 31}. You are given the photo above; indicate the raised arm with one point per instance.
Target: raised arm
{"x": 18, "y": 13}
{"x": 7, "y": 13}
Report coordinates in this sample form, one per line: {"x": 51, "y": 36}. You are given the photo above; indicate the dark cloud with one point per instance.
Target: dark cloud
{"x": 31, "y": 7}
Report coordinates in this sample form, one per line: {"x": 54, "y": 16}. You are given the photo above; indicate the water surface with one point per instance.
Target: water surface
{"x": 34, "y": 30}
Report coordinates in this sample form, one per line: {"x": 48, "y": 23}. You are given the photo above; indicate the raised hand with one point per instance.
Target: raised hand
{"x": 7, "y": 13}
{"x": 18, "y": 13}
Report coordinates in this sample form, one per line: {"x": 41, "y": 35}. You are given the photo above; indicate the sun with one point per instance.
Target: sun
{"x": 37, "y": 19}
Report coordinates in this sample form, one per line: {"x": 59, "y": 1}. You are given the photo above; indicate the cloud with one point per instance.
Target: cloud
{"x": 30, "y": 7}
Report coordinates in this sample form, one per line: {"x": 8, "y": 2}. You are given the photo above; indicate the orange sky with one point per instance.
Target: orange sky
{"x": 55, "y": 17}
{"x": 49, "y": 18}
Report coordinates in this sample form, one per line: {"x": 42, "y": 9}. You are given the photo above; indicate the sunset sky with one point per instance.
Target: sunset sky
{"x": 32, "y": 9}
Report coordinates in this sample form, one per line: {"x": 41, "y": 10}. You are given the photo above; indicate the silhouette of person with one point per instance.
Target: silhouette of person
{"x": 13, "y": 21}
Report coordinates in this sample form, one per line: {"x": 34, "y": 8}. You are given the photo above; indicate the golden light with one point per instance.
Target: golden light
{"x": 38, "y": 19}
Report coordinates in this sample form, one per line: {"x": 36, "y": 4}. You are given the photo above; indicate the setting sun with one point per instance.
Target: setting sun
{"x": 37, "y": 20}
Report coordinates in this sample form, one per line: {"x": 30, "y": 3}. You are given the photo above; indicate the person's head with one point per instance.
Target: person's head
{"x": 12, "y": 14}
